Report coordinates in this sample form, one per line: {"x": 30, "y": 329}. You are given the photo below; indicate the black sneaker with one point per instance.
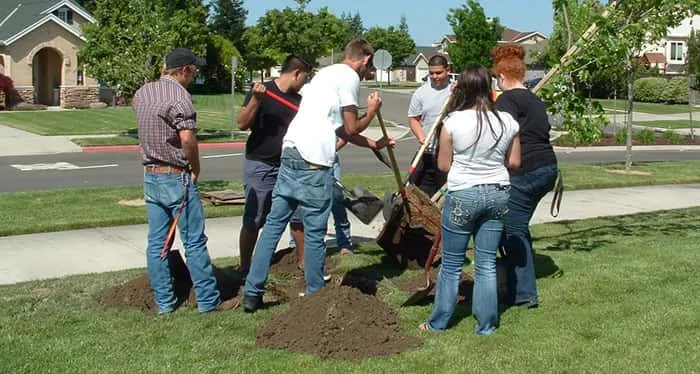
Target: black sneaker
{"x": 251, "y": 303}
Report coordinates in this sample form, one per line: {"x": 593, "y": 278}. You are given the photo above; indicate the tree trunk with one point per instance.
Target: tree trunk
{"x": 630, "y": 97}
{"x": 568, "y": 26}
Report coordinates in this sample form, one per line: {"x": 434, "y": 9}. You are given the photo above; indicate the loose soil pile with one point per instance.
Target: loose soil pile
{"x": 137, "y": 293}
{"x": 337, "y": 322}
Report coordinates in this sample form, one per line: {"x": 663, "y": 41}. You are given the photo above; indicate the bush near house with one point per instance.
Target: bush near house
{"x": 649, "y": 90}
{"x": 646, "y": 136}
{"x": 661, "y": 90}
{"x": 676, "y": 91}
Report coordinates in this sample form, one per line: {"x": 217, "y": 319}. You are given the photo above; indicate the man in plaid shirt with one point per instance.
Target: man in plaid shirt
{"x": 169, "y": 153}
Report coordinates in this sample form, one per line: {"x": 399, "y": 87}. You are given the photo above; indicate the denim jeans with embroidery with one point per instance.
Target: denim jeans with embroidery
{"x": 476, "y": 211}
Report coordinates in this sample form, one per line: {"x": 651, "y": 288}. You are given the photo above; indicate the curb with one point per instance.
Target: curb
{"x": 623, "y": 148}
{"x": 129, "y": 148}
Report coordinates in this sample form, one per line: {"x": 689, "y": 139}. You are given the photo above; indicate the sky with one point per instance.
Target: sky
{"x": 427, "y": 21}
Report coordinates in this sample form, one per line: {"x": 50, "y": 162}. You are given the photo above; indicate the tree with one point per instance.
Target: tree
{"x": 217, "y": 72}
{"x": 229, "y": 20}
{"x": 694, "y": 56}
{"x": 281, "y": 32}
{"x": 403, "y": 25}
{"x": 89, "y": 5}
{"x": 127, "y": 46}
{"x": 355, "y": 26}
{"x": 398, "y": 43}
{"x": 476, "y": 35}
{"x": 622, "y": 31}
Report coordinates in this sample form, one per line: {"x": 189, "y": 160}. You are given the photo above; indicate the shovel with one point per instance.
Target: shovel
{"x": 422, "y": 292}
{"x": 362, "y": 203}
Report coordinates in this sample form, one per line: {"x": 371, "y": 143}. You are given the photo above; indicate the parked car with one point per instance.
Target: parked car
{"x": 530, "y": 84}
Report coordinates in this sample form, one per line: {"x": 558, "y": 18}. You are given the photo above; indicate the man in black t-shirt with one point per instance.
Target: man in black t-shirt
{"x": 268, "y": 120}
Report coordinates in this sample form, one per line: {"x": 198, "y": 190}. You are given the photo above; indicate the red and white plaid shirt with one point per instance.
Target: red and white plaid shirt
{"x": 162, "y": 109}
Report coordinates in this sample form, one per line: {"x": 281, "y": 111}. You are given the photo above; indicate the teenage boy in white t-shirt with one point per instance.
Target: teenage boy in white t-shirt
{"x": 328, "y": 110}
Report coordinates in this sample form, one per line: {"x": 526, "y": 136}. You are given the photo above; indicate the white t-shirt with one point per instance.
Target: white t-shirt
{"x": 426, "y": 103}
{"x": 312, "y": 131}
{"x": 478, "y": 162}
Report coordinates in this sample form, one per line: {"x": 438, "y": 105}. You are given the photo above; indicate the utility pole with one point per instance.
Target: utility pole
{"x": 234, "y": 67}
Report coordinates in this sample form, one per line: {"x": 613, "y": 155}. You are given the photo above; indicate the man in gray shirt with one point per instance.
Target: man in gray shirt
{"x": 422, "y": 112}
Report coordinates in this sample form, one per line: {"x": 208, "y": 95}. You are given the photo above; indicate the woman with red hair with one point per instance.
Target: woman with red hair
{"x": 536, "y": 176}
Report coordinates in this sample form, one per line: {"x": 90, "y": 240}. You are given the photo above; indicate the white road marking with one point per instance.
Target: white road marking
{"x": 59, "y": 166}
{"x": 224, "y": 155}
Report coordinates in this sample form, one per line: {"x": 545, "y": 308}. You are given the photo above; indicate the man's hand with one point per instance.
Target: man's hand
{"x": 258, "y": 90}
{"x": 374, "y": 102}
{"x": 384, "y": 142}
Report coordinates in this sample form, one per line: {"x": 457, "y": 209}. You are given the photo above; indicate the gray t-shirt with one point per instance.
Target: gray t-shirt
{"x": 426, "y": 103}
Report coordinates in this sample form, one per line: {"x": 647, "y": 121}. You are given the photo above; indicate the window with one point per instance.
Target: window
{"x": 676, "y": 51}
{"x": 65, "y": 14}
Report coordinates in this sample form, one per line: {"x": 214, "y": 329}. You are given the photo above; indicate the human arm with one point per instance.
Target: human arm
{"x": 416, "y": 127}
{"x": 513, "y": 154}
{"x": 189, "y": 147}
{"x": 184, "y": 119}
{"x": 355, "y": 124}
{"x": 250, "y": 107}
{"x": 444, "y": 160}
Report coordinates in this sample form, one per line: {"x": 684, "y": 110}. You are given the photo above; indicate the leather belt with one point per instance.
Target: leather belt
{"x": 164, "y": 169}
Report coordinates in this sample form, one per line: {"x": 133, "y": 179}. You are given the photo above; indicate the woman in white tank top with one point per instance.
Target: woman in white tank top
{"x": 477, "y": 146}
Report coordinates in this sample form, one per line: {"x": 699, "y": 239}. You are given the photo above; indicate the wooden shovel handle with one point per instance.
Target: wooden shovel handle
{"x": 392, "y": 158}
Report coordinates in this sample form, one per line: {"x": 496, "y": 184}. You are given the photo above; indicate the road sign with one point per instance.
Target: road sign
{"x": 382, "y": 59}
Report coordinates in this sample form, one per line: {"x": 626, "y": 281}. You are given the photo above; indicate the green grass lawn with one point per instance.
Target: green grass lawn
{"x": 683, "y": 124}
{"x": 57, "y": 210}
{"x": 617, "y": 296}
{"x": 652, "y": 108}
{"x": 213, "y": 113}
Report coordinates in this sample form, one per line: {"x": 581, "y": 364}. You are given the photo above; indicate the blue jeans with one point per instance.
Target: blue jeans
{"x": 163, "y": 194}
{"x": 528, "y": 188}
{"x": 299, "y": 184}
{"x": 340, "y": 215}
{"x": 477, "y": 211}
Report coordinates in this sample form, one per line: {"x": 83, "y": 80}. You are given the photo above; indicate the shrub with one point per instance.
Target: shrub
{"x": 646, "y": 136}
{"x": 621, "y": 136}
{"x": 650, "y": 90}
{"x": 673, "y": 137}
{"x": 676, "y": 91}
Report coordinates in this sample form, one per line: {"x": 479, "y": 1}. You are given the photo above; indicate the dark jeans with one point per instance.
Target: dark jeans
{"x": 527, "y": 189}
{"x": 427, "y": 177}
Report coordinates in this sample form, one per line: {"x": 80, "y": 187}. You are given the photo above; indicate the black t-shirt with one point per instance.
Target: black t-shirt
{"x": 269, "y": 126}
{"x": 531, "y": 114}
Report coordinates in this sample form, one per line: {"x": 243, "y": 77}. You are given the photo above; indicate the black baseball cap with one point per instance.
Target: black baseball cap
{"x": 182, "y": 57}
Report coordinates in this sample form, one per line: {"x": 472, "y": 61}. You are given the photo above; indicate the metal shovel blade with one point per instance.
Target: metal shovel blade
{"x": 362, "y": 203}
{"x": 420, "y": 294}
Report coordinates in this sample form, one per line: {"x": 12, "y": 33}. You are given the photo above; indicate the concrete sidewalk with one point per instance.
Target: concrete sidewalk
{"x": 50, "y": 255}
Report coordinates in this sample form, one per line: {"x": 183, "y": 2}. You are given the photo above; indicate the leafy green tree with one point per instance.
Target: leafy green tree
{"x": 356, "y": 27}
{"x": 476, "y": 35}
{"x": 89, "y": 5}
{"x": 127, "y": 45}
{"x": 403, "y": 24}
{"x": 228, "y": 19}
{"x": 398, "y": 43}
{"x": 280, "y": 32}
{"x": 622, "y": 31}
{"x": 217, "y": 72}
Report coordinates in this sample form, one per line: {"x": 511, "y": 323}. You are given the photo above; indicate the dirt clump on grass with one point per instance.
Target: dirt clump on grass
{"x": 137, "y": 293}
{"x": 337, "y": 322}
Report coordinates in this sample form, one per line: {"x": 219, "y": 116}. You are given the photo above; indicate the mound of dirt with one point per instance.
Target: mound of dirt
{"x": 337, "y": 322}
{"x": 137, "y": 293}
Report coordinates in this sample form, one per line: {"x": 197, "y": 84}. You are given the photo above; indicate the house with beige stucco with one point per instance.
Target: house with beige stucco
{"x": 39, "y": 43}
